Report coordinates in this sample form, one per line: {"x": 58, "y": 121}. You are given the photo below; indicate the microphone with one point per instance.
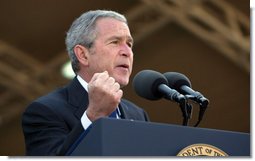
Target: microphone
{"x": 153, "y": 85}
{"x": 182, "y": 84}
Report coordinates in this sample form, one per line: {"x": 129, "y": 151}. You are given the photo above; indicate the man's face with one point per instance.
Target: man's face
{"x": 112, "y": 50}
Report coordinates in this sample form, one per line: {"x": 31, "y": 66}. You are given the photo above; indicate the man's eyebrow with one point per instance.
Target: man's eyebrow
{"x": 114, "y": 37}
{"x": 129, "y": 38}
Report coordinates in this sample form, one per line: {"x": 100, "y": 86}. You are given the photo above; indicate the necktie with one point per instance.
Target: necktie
{"x": 113, "y": 114}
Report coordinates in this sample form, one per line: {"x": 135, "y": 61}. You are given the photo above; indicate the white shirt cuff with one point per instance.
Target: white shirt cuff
{"x": 85, "y": 121}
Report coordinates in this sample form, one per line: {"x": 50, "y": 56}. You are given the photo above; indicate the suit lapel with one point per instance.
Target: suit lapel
{"x": 78, "y": 97}
{"x": 125, "y": 112}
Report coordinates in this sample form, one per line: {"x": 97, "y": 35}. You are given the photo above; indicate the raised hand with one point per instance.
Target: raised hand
{"x": 104, "y": 95}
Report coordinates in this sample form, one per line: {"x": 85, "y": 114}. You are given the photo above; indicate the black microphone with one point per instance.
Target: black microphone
{"x": 182, "y": 84}
{"x": 153, "y": 85}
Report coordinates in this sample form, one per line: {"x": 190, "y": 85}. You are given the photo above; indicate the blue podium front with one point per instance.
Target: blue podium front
{"x": 114, "y": 137}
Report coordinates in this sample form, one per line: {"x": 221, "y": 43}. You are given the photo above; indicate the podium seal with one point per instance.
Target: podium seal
{"x": 201, "y": 150}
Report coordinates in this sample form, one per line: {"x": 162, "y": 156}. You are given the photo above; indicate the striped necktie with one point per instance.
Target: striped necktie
{"x": 113, "y": 114}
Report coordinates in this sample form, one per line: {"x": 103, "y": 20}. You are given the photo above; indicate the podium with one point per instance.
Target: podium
{"x": 116, "y": 137}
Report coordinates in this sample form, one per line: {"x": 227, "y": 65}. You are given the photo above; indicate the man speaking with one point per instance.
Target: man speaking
{"x": 99, "y": 45}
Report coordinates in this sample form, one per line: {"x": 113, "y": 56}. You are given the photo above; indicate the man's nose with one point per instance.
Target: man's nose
{"x": 126, "y": 50}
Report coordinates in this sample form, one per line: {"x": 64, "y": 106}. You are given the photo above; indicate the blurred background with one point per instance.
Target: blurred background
{"x": 207, "y": 40}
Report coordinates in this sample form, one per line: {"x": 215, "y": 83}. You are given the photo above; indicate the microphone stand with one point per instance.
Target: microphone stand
{"x": 186, "y": 109}
{"x": 201, "y": 113}
{"x": 202, "y": 105}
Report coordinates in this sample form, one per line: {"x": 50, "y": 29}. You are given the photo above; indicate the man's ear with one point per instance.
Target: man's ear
{"x": 81, "y": 53}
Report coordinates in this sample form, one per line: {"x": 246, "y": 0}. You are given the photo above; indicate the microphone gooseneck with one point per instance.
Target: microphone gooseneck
{"x": 182, "y": 84}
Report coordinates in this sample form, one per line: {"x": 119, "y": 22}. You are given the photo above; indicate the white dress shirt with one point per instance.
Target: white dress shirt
{"x": 85, "y": 121}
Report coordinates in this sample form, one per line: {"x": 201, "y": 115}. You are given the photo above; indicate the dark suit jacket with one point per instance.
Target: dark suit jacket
{"x": 51, "y": 124}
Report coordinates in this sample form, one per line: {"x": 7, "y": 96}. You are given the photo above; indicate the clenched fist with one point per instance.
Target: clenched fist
{"x": 104, "y": 95}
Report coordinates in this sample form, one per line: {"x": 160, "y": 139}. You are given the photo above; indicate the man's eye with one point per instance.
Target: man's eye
{"x": 115, "y": 42}
{"x": 130, "y": 45}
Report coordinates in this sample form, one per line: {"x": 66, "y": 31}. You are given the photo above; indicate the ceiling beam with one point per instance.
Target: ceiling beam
{"x": 22, "y": 79}
{"x": 227, "y": 33}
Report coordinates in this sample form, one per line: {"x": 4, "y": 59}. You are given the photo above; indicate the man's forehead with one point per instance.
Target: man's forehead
{"x": 110, "y": 24}
{"x": 113, "y": 26}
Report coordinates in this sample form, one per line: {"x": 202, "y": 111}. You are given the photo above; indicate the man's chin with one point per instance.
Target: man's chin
{"x": 123, "y": 83}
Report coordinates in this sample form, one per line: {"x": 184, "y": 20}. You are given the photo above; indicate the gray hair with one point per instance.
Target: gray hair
{"x": 83, "y": 32}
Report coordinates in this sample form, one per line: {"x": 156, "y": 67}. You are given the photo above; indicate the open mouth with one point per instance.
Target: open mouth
{"x": 124, "y": 66}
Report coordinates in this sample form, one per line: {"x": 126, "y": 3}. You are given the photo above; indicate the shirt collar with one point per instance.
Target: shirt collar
{"x": 83, "y": 83}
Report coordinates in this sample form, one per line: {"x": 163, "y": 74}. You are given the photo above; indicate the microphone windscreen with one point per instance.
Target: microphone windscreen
{"x": 146, "y": 83}
{"x": 176, "y": 80}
